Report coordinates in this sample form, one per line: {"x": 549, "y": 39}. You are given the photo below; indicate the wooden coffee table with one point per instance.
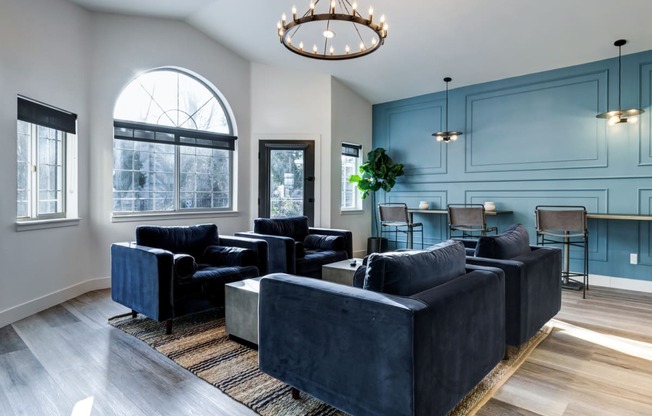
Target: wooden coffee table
{"x": 340, "y": 272}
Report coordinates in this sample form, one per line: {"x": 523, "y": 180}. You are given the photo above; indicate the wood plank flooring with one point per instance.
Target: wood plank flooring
{"x": 597, "y": 361}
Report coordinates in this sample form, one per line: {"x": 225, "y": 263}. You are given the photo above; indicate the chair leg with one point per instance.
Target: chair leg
{"x": 168, "y": 327}
{"x": 295, "y": 393}
{"x": 134, "y": 313}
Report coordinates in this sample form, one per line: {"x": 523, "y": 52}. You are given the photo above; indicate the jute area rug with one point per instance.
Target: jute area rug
{"x": 200, "y": 344}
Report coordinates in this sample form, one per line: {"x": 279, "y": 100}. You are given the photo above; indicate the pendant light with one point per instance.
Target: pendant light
{"x": 620, "y": 116}
{"x": 447, "y": 136}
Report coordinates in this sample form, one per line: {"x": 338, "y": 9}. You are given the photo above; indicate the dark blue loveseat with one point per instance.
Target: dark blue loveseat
{"x": 425, "y": 333}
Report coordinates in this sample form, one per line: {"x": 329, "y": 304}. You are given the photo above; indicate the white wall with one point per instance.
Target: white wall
{"x": 58, "y": 53}
{"x": 351, "y": 122}
{"x": 43, "y": 55}
{"x": 124, "y": 46}
{"x": 293, "y": 105}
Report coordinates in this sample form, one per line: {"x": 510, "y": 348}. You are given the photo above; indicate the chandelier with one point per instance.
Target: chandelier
{"x": 340, "y": 32}
{"x": 620, "y": 116}
{"x": 447, "y": 136}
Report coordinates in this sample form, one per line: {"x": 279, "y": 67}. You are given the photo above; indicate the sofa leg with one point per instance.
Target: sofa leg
{"x": 168, "y": 327}
{"x": 134, "y": 313}
{"x": 295, "y": 393}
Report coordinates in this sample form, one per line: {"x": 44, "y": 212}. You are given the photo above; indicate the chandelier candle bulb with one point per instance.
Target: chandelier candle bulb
{"x": 347, "y": 49}
{"x": 312, "y": 9}
{"x": 332, "y": 7}
{"x": 301, "y": 45}
{"x": 294, "y": 13}
{"x": 371, "y": 14}
{"x": 283, "y": 19}
{"x": 354, "y": 8}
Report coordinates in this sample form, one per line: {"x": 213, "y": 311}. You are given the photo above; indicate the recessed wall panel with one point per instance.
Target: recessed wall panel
{"x": 410, "y": 138}
{"x": 546, "y": 125}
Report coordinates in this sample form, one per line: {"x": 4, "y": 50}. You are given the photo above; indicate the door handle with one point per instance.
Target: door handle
{"x": 310, "y": 178}
{"x": 311, "y": 200}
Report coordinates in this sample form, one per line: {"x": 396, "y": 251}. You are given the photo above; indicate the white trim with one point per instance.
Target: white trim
{"x": 162, "y": 216}
{"x": 28, "y": 225}
{"x": 620, "y": 283}
{"x": 33, "y": 306}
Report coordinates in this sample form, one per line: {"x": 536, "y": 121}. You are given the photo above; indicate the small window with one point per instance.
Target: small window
{"x": 41, "y": 160}
{"x": 173, "y": 146}
{"x": 351, "y": 161}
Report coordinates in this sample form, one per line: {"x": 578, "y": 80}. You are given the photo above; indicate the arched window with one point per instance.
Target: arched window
{"x": 173, "y": 145}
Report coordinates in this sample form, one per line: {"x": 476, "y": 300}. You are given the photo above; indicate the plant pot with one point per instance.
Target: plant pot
{"x": 376, "y": 245}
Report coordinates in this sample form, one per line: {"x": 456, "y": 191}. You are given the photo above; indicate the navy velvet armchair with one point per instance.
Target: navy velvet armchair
{"x": 173, "y": 271}
{"x": 426, "y": 331}
{"x": 532, "y": 279}
{"x": 296, "y": 248}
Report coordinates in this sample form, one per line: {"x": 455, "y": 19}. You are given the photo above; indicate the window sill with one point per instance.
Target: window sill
{"x": 29, "y": 225}
{"x": 162, "y": 216}
{"x": 351, "y": 211}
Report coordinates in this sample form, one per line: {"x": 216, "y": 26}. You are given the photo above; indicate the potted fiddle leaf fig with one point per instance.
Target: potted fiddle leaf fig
{"x": 378, "y": 172}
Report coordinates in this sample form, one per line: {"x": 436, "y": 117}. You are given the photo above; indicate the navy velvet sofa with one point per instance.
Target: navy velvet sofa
{"x": 173, "y": 271}
{"x": 532, "y": 279}
{"x": 426, "y": 331}
{"x": 296, "y": 248}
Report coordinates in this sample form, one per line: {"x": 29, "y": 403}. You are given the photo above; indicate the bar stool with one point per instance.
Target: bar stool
{"x": 566, "y": 225}
{"x": 395, "y": 215}
{"x": 469, "y": 219}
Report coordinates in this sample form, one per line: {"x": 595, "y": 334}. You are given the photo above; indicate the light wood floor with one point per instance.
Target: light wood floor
{"x": 597, "y": 361}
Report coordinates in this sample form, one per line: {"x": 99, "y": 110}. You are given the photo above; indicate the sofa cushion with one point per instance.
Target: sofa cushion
{"x": 184, "y": 266}
{"x": 310, "y": 265}
{"x": 229, "y": 256}
{"x": 408, "y": 272}
{"x": 294, "y": 227}
{"x": 324, "y": 242}
{"x": 191, "y": 239}
{"x": 299, "y": 250}
{"x": 512, "y": 243}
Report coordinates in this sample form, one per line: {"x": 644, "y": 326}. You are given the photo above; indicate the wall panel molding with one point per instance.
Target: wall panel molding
{"x": 547, "y": 124}
{"x": 645, "y": 136}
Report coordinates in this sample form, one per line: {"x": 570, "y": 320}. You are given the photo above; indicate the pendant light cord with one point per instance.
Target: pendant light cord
{"x": 447, "y": 106}
{"x": 620, "y": 77}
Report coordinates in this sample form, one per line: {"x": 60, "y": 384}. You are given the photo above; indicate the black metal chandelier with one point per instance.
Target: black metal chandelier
{"x": 620, "y": 116}
{"x": 447, "y": 136}
{"x": 338, "y": 32}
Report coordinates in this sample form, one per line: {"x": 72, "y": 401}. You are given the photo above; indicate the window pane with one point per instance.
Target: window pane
{"x": 139, "y": 173}
{"x": 205, "y": 178}
{"x": 286, "y": 183}
{"x": 350, "y": 196}
{"x": 23, "y": 170}
{"x": 50, "y": 171}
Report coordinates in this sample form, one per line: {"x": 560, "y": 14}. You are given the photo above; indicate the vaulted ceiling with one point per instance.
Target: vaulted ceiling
{"x": 472, "y": 41}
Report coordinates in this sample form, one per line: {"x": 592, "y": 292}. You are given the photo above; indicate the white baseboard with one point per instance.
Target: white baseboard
{"x": 31, "y": 307}
{"x": 620, "y": 283}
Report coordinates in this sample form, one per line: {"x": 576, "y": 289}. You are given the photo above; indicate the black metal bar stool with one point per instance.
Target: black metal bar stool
{"x": 395, "y": 215}
{"x": 566, "y": 225}
{"x": 469, "y": 219}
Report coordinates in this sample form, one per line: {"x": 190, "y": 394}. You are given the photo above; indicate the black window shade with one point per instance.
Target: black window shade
{"x": 153, "y": 133}
{"x": 351, "y": 149}
{"x": 46, "y": 116}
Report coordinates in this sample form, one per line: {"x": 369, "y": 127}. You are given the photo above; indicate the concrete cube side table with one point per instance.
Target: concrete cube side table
{"x": 341, "y": 271}
{"x": 241, "y": 309}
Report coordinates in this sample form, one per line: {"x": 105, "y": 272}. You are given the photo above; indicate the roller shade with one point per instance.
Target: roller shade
{"x": 351, "y": 149}
{"x": 38, "y": 113}
{"x": 153, "y": 133}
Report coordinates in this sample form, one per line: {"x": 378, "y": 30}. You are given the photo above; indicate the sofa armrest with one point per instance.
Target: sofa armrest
{"x": 370, "y": 353}
{"x": 281, "y": 256}
{"x": 257, "y": 245}
{"x": 142, "y": 279}
{"x": 348, "y": 237}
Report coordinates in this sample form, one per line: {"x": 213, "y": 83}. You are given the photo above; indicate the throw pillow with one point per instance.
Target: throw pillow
{"x": 184, "y": 266}
{"x": 324, "y": 242}
{"x": 408, "y": 272}
{"x": 229, "y": 256}
{"x": 514, "y": 242}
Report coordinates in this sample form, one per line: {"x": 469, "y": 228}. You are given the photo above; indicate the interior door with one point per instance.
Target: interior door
{"x": 286, "y": 185}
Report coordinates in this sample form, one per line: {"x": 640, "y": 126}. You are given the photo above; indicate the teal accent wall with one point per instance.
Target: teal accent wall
{"x": 534, "y": 140}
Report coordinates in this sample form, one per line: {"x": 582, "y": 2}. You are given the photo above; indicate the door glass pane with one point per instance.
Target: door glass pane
{"x": 286, "y": 183}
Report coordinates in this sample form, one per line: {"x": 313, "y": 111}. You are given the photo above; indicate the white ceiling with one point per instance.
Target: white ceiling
{"x": 472, "y": 41}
